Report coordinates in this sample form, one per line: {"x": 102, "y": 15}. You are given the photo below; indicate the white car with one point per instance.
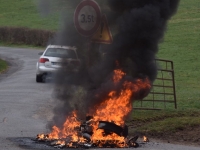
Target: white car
{"x": 53, "y": 58}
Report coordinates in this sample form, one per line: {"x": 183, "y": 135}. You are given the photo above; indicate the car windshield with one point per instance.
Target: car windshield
{"x": 60, "y": 52}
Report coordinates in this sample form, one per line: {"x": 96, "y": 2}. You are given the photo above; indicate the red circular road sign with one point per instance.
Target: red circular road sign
{"x": 87, "y": 17}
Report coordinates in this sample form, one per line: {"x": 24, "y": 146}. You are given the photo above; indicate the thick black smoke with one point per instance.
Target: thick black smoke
{"x": 140, "y": 28}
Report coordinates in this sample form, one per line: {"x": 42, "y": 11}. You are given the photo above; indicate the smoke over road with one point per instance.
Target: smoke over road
{"x": 141, "y": 25}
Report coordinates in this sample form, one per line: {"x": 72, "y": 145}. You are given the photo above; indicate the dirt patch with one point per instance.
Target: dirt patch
{"x": 187, "y": 136}
{"x": 183, "y": 134}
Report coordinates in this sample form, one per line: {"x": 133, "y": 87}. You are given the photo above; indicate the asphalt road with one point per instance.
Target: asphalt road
{"x": 25, "y": 106}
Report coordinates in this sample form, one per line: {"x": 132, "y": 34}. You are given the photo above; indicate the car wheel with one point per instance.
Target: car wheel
{"x": 44, "y": 77}
{"x": 39, "y": 78}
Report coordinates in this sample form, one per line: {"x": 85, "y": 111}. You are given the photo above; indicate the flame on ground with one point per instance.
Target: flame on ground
{"x": 145, "y": 139}
{"x": 113, "y": 109}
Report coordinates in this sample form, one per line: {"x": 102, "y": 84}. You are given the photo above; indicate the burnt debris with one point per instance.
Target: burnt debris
{"x": 85, "y": 133}
{"x": 110, "y": 127}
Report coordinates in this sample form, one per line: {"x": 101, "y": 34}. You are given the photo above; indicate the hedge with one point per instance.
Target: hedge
{"x": 22, "y": 35}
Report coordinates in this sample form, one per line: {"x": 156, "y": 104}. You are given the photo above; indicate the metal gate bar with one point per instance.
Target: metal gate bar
{"x": 163, "y": 90}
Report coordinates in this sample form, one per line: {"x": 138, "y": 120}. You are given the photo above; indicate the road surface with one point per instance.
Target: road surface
{"x": 26, "y": 106}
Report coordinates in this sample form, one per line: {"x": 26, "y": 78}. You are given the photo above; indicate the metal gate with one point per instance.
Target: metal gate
{"x": 163, "y": 94}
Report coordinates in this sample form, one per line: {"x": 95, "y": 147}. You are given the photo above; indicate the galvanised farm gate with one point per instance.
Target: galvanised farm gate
{"x": 163, "y": 94}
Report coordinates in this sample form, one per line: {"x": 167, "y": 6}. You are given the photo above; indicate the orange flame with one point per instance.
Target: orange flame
{"x": 114, "y": 109}
{"x": 118, "y": 74}
{"x": 68, "y": 129}
{"x": 117, "y": 106}
{"x": 60, "y": 142}
{"x": 145, "y": 139}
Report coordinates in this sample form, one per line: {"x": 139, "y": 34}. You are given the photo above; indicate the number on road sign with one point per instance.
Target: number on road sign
{"x": 87, "y": 17}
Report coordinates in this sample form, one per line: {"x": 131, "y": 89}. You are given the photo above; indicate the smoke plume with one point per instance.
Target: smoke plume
{"x": 140, "y": 25}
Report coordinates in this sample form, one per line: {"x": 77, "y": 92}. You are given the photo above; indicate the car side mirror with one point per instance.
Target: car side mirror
{"x": 40, "y": 53}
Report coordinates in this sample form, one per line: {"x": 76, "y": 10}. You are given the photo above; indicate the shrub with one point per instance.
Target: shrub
{"x": 22, "y": 35}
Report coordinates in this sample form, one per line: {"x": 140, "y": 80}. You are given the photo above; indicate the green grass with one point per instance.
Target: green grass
{"x": 3, "y": 66}
{"x": 157, "y": 123}
{"x": 24, "y": 13}
{"x": 180, "y": 44}
{"x": 169, "y": 125}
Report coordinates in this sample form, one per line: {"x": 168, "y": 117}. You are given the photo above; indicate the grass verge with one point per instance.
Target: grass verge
{"x": 3, "y": 65}
{"x": 173, "y": 126}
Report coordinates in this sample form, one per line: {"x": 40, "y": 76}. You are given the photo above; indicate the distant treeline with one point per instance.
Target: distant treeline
{"x": 22, "y": 35}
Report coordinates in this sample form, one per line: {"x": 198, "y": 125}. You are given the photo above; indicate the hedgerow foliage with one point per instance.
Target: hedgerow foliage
{"x": 22, "y": 35}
